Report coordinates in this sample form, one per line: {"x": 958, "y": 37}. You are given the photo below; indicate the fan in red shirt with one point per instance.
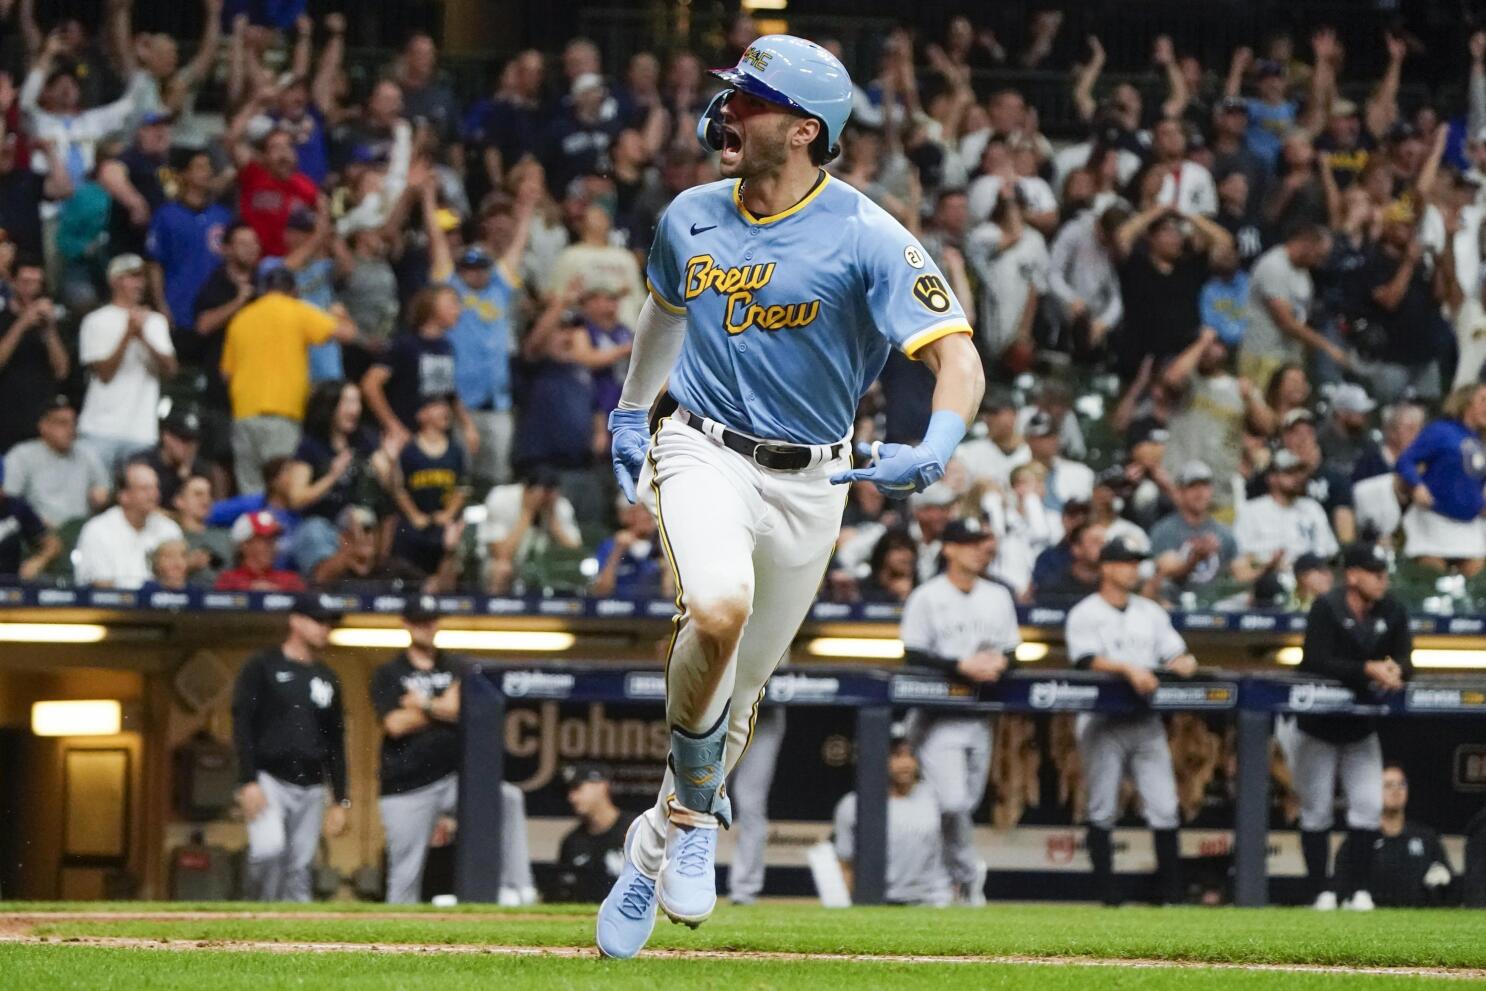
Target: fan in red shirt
{"x": 272, "y": 187}
{"x": 256, "y": 537}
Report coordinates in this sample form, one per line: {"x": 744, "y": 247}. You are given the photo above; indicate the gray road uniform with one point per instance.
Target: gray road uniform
{"x": 915, "y": 846}
{"x": 942, "y": 625}
{"x": 420, "y": 782}
{"x": 1111, "y": 746}
{"x": 749, "y": 785}
{"x": 1344, "y": 750}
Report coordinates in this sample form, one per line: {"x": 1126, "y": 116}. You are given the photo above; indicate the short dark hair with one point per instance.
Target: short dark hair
{"x": 1309, "y": 232}
{"x": 821, "y": 151}
{"x": 234, "y": 227}
{"x": 273, "y": 467}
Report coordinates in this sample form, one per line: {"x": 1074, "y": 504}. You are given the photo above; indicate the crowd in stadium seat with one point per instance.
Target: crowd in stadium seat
{"x": 349, "y": 335}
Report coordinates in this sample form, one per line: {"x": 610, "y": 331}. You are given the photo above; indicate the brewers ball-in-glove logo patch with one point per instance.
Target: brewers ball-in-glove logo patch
{"x": 931, "y": 291}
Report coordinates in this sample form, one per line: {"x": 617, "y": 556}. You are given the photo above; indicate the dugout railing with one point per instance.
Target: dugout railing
{"x": 874, "y": 694}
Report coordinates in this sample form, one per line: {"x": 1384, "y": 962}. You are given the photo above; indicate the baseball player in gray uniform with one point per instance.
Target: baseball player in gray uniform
{"x": 416, "y": 697}
{"x": 963, "y": 625}
{"x": 915, "y": 842}
{"x": 1118, "y": 631}
{"x": 749, "y": 784}
{"x": 1359, "y": 635}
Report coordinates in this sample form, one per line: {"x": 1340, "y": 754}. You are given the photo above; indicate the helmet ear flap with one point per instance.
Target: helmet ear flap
{"x": 709, "y": 125}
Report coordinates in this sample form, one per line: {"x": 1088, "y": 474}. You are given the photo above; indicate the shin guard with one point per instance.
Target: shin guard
{"x": 698, "y": 765}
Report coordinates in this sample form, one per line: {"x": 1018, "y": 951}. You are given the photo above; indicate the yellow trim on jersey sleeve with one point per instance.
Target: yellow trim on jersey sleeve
{"x": 662, "y": 302}
{"x": 738, "y": 201}
{"x": 931, "y": 334}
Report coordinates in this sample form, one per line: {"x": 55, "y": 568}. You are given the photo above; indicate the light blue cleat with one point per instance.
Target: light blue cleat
{"x": 688, "y": 877}
{"x": 627, "y": 915}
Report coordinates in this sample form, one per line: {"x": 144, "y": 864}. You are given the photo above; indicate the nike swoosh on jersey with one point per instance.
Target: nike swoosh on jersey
{"x": 695, "y": 230}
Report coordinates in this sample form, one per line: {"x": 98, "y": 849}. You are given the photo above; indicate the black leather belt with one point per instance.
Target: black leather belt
{"x": 775, "y": 457}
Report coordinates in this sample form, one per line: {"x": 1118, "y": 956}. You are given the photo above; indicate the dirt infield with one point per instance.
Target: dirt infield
{"x": 13, "y": 923}
{"x": 10, "y": 936}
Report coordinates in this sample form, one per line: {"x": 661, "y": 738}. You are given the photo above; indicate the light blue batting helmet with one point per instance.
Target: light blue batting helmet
{"x": 792, "y": 72}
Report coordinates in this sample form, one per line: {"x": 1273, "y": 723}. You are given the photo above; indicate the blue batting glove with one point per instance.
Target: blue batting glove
{"x": 630, "y": 429}
{"x": 898, "y": 470}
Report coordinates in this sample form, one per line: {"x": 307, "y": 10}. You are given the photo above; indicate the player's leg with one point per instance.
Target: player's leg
{"x": 748, "y": 787}
{"x": 515, "y": 859}
{"x": 977, "y": 775}
{"x": 1103, "y": 759}
{"x": 303, "y": 822}
{"x": 789, "y": 560}
{"x": 408, "y": 820}
{"x": 1315, "y": 762}
{"x": 943, "y": 757}
{"x": 705, "y": 505}
{"x": 1361, "y": 773}
{"x": 1150, "y": 767}
{"x": 265, "y": 868}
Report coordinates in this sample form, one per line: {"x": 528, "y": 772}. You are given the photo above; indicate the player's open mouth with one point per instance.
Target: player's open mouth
{"x": 732, "y": 141}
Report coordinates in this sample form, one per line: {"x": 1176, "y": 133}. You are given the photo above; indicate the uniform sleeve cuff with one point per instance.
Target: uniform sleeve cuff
{"x": 662, "y": 302}
{"x": 929, "y": 335}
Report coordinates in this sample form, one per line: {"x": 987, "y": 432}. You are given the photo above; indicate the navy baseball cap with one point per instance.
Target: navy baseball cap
{"x": 474, "y": 257}
{"x": 576, "y": 774}
{"x": 1310, "y": 561}
{"x": 313, "y": 605}
{"x": 421, "y": 609}
{"x": 1121, "y": 551}
{"x": 966, "y": 531}
{"x": 301, "y": 219}
{"x": 1147, "y": 430}
{"x": 1368, "y": 557}
{"x": 185, "y": 423}
{"x": 156, "y": 117}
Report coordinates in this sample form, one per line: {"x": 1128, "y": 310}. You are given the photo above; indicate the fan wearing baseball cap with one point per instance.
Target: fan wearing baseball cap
{"x": 255, "y": 535}
{"x": 126, "y": 347}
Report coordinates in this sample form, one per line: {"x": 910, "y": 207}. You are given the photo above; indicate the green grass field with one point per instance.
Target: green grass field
{"x": 474, "y": 947}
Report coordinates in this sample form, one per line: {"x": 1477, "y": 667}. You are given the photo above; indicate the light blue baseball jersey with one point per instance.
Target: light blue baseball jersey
{"x": 789, "y": 318}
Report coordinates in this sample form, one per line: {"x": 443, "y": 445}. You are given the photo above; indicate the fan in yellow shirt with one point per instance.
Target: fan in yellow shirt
{"x": 265, "y": 360}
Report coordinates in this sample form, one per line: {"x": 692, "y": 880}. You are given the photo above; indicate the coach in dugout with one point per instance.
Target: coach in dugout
{"x": 1359, "y": 635}
{"x": 290, "y": 734}
{"x": 416, "y": 698}
{"x": 1410, "y": 868}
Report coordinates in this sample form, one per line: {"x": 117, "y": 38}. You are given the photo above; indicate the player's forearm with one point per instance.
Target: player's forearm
{"x": 959, "y": 377}
{"x": 928, "y": 659}
{"x": 657, "y": 343}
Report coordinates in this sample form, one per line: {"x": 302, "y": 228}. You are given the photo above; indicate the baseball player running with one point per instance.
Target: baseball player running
{"x": 775, "y": 295}
{"x": 1359, "y": 635}
{"x": 1117, "y": 631}
{"x": 965, "y": 626}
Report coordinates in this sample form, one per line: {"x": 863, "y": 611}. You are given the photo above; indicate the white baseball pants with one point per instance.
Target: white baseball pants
{"x": 743, "y": 541}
